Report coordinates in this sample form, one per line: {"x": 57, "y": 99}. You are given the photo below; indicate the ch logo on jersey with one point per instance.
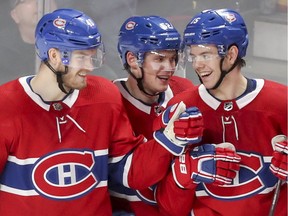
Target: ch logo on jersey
{"x": 253, "y": 178}
{"x": 65, "y": 174}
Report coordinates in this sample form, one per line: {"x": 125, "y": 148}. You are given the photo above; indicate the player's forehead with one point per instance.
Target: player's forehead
{"x": 163, "y": 53}
{"x": 202, "y": 48}
{"x": 85, "y": 52}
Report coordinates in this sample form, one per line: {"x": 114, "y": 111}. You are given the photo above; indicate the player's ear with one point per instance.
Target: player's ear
{"x": 54, "y": 56}
{"x": 132, "y": 60}
{"x": 232, "y": 54}
{"x": 14, "y": 15}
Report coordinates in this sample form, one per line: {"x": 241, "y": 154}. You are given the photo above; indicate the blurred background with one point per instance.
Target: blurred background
{"x": 266, "y": 21}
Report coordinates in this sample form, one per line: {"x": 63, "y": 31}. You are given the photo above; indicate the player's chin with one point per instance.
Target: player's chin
{"x": 80, "y": 84}
{"x": 83, "y": 84}
{"x": 80, "y": 87}
{"x": 208, "y": 83}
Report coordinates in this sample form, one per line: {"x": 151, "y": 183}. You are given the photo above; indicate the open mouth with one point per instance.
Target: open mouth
{"x": 204, "y": 74}
{"x": 82, "y": 74}
{"x": 166, "y": 78}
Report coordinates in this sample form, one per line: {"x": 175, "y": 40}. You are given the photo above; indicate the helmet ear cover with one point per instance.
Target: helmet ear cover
{"x": 66, "y": 30}
{"x": 141, "y": 34}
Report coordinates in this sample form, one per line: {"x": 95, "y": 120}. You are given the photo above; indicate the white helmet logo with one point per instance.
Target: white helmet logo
{"x": 166, "y": 26}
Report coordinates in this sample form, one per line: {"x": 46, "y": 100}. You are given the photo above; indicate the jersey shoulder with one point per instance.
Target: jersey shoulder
{"x": 100, "y": 90}
{"x": 189, "y": 95}
{"x": 7, "y": 88}
{"x": 273, "y": 96}
{"x": 179, "y": 84}
{"x": 12, "y": 97}
{"x": 270, "y": 93}
{"x": 276, "y": 89}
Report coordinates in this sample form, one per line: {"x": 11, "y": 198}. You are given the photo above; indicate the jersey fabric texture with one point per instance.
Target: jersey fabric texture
{"x": 54, "y": 156}
{"x": 249, "y": 123}
{"x": 141, "y": 116}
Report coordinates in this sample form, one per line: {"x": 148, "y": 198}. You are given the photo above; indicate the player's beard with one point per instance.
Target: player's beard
{"x": 75, "y": 80}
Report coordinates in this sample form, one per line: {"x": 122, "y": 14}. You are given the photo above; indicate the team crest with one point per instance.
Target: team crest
{"x": 65, "y": 174}
{"x": 59, "y": 23}
{"x": 230, "y": 17}
{"x": 255, "y": 177}
{"x": 130, "y": 25}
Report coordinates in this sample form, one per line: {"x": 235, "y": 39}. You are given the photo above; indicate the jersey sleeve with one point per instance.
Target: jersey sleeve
{"x": 279, "y": 94}
{"x": 3, "y": 149}
{"x": 7, "y": 126}
{"x": 171, "y": 199}
{"x": 135, "y": 162}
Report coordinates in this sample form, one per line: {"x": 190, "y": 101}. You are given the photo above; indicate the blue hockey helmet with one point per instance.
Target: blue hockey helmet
{"x": 140, "y": 34}
{"x": 222, "y": 27}
{"x": 66, "y": 30}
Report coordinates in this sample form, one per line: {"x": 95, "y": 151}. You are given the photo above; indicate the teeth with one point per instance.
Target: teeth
{"x": 204, "y": 74}
{"x": 166, "y": 78}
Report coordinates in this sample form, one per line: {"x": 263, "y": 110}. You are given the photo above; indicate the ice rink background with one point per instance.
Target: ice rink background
{"x": 266, "y": 21}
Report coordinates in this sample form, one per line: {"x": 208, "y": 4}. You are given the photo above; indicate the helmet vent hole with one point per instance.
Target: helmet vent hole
{"x": 148, "y": 25}
{"x": 149, "y": 40}
{"x": 210, "y": 33}
{"x": 206, "y": 34}
{"x": 153, "y": 41}
{"x": 77, "y": 42}
{"x": 216, "y": 32}
{"x": 41, "y": 29}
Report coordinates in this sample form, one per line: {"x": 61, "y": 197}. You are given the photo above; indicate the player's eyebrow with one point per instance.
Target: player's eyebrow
{"x": 157, "y": 53}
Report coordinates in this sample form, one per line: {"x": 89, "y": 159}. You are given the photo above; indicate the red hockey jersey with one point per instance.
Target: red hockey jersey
{"x": 249, "y": 122}
{"x": 54, "y": 156}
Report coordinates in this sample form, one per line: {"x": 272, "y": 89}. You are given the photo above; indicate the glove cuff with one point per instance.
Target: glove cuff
{"x": 167, "y": 144}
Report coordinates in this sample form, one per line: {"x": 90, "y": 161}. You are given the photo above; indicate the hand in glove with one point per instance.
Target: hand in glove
{"x": 209, "y": 163}
{"x": 178, "y": 127}
{"x": 279, "y": 160}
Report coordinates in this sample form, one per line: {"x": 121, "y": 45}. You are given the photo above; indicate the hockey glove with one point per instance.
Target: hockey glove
{"x": 279, "y": 160}
{"x": 178, "y": 127}
{"x": 209, "y": 163}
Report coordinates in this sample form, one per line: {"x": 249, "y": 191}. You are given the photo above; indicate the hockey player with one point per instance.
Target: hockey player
{"x": 61, "y": 128}
{"x": 148, "y": 47}
{"x": 246, "y": 112}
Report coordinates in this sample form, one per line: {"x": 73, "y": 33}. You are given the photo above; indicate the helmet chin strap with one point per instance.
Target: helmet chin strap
{"x": 59, "y": 77}
{"x": 140, "y": 83}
